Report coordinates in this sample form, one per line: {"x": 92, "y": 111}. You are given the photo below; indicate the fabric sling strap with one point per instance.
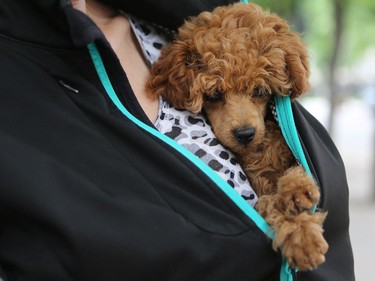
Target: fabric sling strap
{"x": 286, "y": 121}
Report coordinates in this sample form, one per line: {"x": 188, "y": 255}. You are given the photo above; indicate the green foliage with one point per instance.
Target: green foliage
{"x": 317, "y": 21}
{"x": 360, "y": 30}
{"x": 319, "y": 18}
{"x": 284, "y": 8}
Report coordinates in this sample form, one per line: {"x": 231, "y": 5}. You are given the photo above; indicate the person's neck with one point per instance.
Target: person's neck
{"x": 112, "y": 23}
{"x": 100, "y": 13}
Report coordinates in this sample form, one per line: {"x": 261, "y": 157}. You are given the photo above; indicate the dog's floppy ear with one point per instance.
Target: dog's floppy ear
{"x": 275, "y": 33}
{"x": 173, "y": 75}
{"x": 296, "y": 58}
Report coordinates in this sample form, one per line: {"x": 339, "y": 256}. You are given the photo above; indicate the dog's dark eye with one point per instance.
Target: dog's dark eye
{"x": 259, "y": 93}
{"x": 215, "y": 97}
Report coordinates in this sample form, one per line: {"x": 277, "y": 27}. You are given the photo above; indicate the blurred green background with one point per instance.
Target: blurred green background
{"x": 340, "y": 35}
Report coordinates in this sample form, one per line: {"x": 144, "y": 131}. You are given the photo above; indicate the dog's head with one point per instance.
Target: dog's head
{"x": 229, "y": 63}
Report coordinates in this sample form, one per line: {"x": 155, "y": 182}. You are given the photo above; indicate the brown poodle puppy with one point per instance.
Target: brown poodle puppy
{"x": 228, "y": 64}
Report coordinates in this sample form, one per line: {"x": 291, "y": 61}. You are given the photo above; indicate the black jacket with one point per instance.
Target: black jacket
{"x": 86, "y": 194}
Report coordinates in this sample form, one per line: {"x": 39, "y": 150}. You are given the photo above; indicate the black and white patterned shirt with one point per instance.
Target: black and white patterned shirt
{"x": 189, "y": 129}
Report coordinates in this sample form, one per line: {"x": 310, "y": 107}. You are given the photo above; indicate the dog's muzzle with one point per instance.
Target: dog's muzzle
{"x": 244, "y": 135}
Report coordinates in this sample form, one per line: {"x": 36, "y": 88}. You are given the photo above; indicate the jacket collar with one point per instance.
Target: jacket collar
{"x": 56, "y": 23}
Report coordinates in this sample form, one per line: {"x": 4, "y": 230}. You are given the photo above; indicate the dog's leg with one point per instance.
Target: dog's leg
{"x": 298, "y": 232}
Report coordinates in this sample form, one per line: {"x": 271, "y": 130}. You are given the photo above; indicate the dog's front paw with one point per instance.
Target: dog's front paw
{"x": 298, "y": 191}
{"x": 301, "y": 241}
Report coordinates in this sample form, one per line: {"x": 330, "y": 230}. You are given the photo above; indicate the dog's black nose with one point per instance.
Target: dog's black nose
{"x": 244, "y": 135}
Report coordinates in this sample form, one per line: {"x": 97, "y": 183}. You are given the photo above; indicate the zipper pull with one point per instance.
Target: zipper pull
{"x": 66, "y": 86}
